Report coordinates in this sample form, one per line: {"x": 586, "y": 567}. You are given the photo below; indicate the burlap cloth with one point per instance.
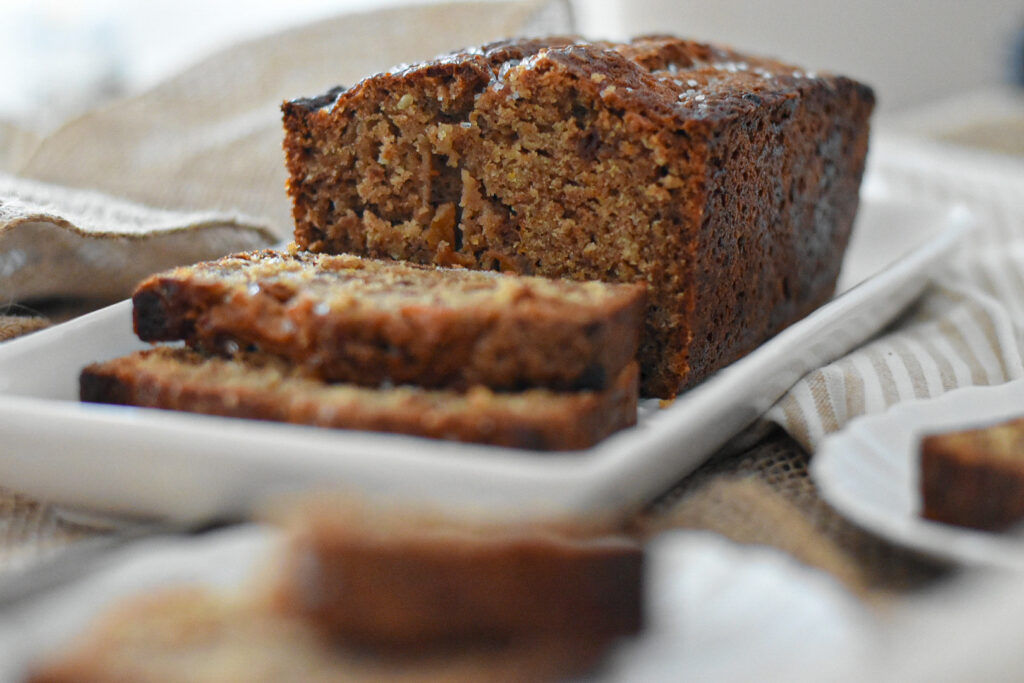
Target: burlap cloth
{"x": 207, "y": 144}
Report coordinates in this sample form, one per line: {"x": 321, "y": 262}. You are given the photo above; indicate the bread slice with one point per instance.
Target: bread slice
{"x": 196, "y": 635}
{"x": 728, "y": 182}
{"x": 413, "y": 579}
{"x": 974, "y": 477}
{"x": 343, "y": 318}
{"x": 264, "y": 387}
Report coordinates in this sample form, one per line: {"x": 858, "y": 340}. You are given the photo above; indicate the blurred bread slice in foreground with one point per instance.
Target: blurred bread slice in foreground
{"x": 413, "y": 579}
{"x": 360, "y": 592}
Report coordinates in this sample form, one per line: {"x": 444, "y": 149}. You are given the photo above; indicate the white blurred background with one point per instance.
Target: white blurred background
{"x": 60, "y": 57}
{"x": 911, "y": 51}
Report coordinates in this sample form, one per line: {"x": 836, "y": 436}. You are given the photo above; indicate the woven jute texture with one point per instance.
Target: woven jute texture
{"x": 12, "y": 326}
{"x": 31, "y": 531}
{"x": 764, "y": 495}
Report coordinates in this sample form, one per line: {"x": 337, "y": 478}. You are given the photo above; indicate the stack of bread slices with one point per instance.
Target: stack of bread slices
{"x": 348, "y": 342}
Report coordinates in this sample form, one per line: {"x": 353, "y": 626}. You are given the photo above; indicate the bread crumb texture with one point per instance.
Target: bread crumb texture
{"x": 728, "y": 183}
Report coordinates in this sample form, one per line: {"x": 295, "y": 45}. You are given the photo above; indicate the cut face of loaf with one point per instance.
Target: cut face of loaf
{"x": 728, "y": 183}
{"x": 262, "y": 387}
{"x": 344, "y": 318}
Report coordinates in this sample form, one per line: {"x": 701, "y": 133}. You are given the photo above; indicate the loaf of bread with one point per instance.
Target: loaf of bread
{"x": 263, "y": 387}
{"x": 728, "y": 183}
{"x": 348, "y": 319}
{"x": 413, "y": 579}
{"x": 196, "y": 635}
{"x": 974, "y": 477}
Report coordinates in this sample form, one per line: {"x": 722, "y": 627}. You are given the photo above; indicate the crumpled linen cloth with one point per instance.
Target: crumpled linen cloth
{"x": 193, "y": 168}
{"x": 57, "y": 242}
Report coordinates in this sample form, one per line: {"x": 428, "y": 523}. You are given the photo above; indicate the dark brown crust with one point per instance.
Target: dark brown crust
{"x": 800, "y": 160}
{"x": 531, "y": 334}
{"x": 413, "y": 591}
{"x": 179, "y": 379}
{"x": 970, "y": 479}
{"x": 735, "y": 203}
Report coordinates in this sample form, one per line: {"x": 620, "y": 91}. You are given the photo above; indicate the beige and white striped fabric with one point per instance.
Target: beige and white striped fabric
{"x": 968, "y": 328}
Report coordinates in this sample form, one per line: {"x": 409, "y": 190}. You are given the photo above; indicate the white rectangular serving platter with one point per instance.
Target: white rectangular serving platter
{"x": 189, "y": 468}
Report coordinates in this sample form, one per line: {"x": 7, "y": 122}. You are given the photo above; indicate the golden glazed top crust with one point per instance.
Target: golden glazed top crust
{"x": 350, "y": 282}
{"x": 663, "y": 75}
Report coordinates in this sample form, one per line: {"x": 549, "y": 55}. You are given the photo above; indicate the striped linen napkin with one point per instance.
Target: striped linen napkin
{"x": 968, "y": 328}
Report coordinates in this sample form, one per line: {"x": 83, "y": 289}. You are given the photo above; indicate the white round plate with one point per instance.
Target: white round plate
{"x": 870, "y": 472}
